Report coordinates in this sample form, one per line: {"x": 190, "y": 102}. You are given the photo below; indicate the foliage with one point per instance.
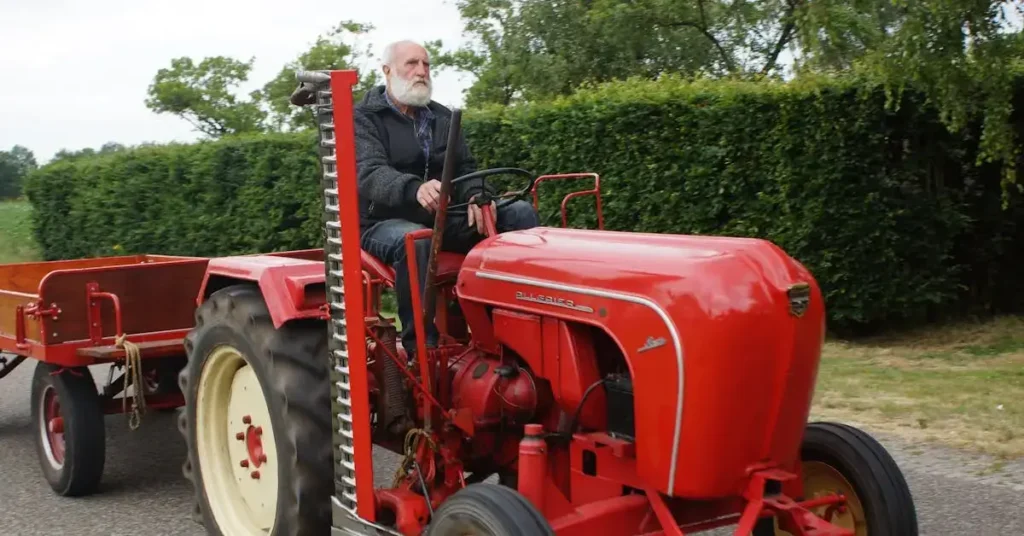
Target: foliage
{"x": 886, "y": 207}
{"x": 16, "y": 243}
{"x": 203, "y": 93}
{"x": 240, "y": 194}
{"x": 14, "y": 165}
{"x": 960, "y": 54}
{"x": 329, "y": 52}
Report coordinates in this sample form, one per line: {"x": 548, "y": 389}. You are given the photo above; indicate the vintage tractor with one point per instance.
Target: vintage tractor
{"x": 586, "y": 382}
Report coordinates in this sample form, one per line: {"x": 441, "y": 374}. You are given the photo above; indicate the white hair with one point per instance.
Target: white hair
{"x": 389, "y": 51}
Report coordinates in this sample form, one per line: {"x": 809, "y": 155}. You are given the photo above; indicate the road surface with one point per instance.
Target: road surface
{"x": 144, "y": 492}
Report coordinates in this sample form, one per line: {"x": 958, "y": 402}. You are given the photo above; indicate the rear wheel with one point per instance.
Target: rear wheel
{"x": 838, "y": 458}
{"x": 488, "y": 510}
{"x": 70, "y": 433}
{"x": 257, "y": 419}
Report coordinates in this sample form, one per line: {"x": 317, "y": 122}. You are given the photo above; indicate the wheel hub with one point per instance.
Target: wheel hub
{"x": 52, "y": 428}
{"x": 822, "y": 480}
{"x": 236, "y": 445}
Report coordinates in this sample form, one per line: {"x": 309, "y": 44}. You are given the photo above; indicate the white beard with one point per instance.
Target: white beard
{"x": 409, "y": 94}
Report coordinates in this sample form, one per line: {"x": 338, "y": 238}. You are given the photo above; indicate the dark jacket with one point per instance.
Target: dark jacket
{"x": 391, "y": 165}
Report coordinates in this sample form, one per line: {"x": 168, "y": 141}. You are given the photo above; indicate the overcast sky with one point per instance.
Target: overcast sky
{"x": 74, "y": 74}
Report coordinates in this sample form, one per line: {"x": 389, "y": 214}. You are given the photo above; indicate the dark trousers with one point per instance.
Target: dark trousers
{"x": 386, "y": 241}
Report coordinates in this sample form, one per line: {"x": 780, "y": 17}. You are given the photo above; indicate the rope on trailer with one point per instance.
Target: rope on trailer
{"x": 133, "y": 375}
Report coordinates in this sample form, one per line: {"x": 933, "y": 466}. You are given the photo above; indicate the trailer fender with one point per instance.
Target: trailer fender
{"x": 293, "y": 288}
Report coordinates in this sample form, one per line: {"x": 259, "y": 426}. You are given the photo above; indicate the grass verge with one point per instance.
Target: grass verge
{"x": 960, "y": 385}
{"x": 16, "y": 242}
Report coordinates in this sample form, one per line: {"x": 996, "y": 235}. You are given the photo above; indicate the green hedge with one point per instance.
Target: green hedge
{"x": 886, "y": 207}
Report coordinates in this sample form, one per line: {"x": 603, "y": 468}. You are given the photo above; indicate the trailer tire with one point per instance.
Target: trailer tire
{"x": 852, "y": 459}
{"x": 72, "y": 456}
{"x": 288, "y": 368}
{"x": 488, "y": 510}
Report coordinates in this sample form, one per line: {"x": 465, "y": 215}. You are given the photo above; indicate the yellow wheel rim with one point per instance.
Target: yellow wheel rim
{"x": 235, "y": 443}
{"x": 820, "y": 480}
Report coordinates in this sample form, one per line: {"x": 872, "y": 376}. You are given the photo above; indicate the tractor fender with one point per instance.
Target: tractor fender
{"x": 293, "y": 288}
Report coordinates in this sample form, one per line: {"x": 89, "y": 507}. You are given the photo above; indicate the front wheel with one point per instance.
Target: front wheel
{"x": 257, "y": 419}
{"x": 488, "y": 510}
{"x": 838, "y": 458}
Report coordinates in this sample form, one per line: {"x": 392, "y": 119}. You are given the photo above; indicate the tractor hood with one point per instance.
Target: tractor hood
{"x": 722, "y": 337}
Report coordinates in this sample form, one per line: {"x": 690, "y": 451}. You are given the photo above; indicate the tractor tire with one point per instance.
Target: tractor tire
{"x": 488, "y": 510}
{"x": 257, "y": 419}
{"x": 839, "y": 457}
{"x": 72, "y": 454}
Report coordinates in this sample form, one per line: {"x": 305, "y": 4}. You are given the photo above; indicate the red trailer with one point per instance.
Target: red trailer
{"x": 131, "y": 312}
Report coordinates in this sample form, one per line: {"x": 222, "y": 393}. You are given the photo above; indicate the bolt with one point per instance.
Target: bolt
{"x": 255, "y": 475}
{"x": 246, "y": 419}
{"x": 240, "y": 436}
{"x": 245, "y": 463}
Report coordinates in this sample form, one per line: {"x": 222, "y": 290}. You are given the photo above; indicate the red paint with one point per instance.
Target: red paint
{"x": 596, "y": 192}
{"x": 292, "y": 287}
{"x": 95, "y": 317}
{"x": 408, "y": 508}
{"x": 254, "y": 445}
{"x": 533, "y": 463}
{"x": 721, "y": 287}
{"x": 348, "y": 214}
{"x": 54, "y": 424}
{"x": 491, "y": 398}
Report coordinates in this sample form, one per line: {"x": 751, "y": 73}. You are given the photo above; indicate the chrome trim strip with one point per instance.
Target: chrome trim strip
{"x": 631, "y": 299}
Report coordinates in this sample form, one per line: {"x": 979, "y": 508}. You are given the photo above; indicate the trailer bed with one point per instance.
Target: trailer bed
{"x": 69, "y": 313}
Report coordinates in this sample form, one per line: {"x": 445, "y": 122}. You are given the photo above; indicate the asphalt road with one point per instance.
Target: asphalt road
{"x": 144, "y": 492}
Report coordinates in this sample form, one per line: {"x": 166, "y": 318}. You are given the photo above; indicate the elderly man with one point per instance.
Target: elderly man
{"x": 401, "y": 137}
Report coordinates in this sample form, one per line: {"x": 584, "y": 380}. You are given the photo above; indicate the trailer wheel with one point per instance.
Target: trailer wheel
{"x": 70, "y": 433}
{"x": 257, "y": 419}
{"x": 488, "y": 510}
{"x": 840, "y": 458}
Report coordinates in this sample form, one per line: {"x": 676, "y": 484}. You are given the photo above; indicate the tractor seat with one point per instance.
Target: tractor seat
{"x": 448, "y": 266}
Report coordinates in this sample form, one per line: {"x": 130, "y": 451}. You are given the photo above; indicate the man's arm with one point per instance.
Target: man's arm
{"x": 378, "y": 181}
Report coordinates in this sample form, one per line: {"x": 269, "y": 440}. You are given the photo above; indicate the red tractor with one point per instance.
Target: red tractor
{"x": 611, "y": 383}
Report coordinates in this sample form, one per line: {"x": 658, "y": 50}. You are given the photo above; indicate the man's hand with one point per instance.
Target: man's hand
{"x": 476, "y": 215}
{"x": 429, "y": 195}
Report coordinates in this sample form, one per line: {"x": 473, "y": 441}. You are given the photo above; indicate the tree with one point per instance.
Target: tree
{"x": 963, "y": 54}
{"x": 202, "y": 94}
{"x": 328, "y": 52}
{"x": 535, "y": 49}
{"x": 14, "y": 165}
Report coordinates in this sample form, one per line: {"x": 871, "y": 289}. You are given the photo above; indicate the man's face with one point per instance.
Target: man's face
{"x": 409, "y": 76}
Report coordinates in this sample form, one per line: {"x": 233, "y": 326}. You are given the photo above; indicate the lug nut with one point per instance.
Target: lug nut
{"x": 245, "y": 463}
{"x": 246, "y": 419}
{"x": 263, "y": 458}
{"x": 259, "y": 430}
{"x": 255, "y": 475}
{"x": 240, "y": 436}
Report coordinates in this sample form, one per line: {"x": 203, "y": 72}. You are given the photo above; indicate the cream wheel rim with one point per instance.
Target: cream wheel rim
{"x": 820, "y": 480}
{"x": 235, "y": 443}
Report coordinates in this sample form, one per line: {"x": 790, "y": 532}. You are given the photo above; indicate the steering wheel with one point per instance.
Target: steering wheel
{"x": 485, "y": 198}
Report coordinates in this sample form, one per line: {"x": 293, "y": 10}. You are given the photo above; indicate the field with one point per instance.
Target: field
{"x": 16, "y": 244}
{"x": 957, "y": 385}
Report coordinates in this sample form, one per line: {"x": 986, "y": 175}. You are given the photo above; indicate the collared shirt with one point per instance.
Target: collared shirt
{"x": 423, "y": 120}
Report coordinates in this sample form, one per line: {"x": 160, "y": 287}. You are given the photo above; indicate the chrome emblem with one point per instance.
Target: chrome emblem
{"x": 651, "y": 344}
{"x": 552, "y": 300}
{"x": 799, "y": 299}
